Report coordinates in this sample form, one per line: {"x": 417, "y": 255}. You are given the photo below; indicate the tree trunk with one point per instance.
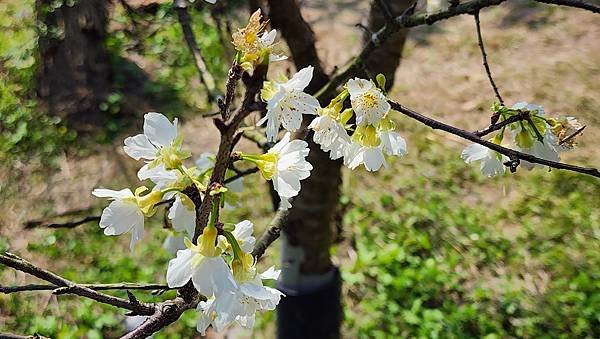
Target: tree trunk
{"x": 74, "y": 75}
{"x": 312, "y": 307}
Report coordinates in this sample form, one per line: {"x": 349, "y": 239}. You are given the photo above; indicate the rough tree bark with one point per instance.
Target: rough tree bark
{"x": 311, "y": 282}
{"x": 74, "y": 74}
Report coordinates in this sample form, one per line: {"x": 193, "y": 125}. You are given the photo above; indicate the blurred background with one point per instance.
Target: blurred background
{"x": 427, "y": 247}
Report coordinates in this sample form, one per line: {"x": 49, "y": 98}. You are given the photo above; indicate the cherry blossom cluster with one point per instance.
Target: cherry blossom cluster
{"x": 536, "y": 134}
{"x": 355, "y": 126}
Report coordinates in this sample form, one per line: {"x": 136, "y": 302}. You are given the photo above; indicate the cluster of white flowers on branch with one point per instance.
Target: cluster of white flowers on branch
{"x": 533, "y": 134}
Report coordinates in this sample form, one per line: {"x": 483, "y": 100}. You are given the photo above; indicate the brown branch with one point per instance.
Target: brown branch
{"x": 18, "y": 336}
{"x": 514, "y": 155}
{"x": 229, "y": 137}
{"x": 70, "y": 224}
{"x": 488, "y": 72}
{"x": 47, "y": 222}
{"x": 66, "y": 286}
{"x": 203, "y": 74}
{"x": 241, "y": 175}
{"x": 167, "y": 312}
{"x": 573, "y": 3}
{"x": 95, "y": 287}
{"x": 497, "y": 126}
{"x": 234, "y": 75}
{"x": 271, "y": 234}
{"x": 409, "y": 19}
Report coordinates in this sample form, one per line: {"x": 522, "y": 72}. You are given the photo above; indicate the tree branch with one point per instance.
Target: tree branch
{"x": 241, "y": 175}
{"x": 70, "y": 224}
{"x": 573, "y": 3}
{"x": 95, "y": 287}
{"x": 203, "y": 74}
{"x": 497, "y": 126}
{"x": 484, "y": 57}
{"x": 166, "y": 313}
{"x": 514, "y": 155}
{"x": 271, "y": 234}
{"x": 409, "y": 19}
{"x": 65, "y": 286}
{"x": 228, "y": 130}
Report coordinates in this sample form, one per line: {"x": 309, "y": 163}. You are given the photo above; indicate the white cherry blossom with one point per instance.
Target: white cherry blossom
{"x": 492, "y": 162}
{"x": 287, "y": 103}
{"x": 369, "y": 104}
{"x": 204, "y": 265}
{"x": 122, "y": 215}
{"x": 285, "y": 165}
{"x": 331, "y": 135}
{"x": 158, "y": 145}
{"x": 371, "y": 157}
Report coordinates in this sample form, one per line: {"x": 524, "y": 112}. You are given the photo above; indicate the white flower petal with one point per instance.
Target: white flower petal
{"x": 301, "y": 79}
{"x": 212, "y": 276}
{"x": 474, "y": 152}
{"x": 174, "y": 243}
{"x": 106, "y": 193}
{"x": 255, "y": 291}
{"x": 121, "y": 216}
{"x": 373, "y": 159}
{"x": 139, "y": 147}
{"x": 243, "y": 234}
{"x": 358, "y": 86}
{"x": 159, "y": 130}
{"x": 136, "y": 234}
{"x": 179, "y": 271}
{"x": 158, "y": 175}
{"x": 271, "y": 273}
{"x": 182, "y": 218}
{"x": 392, "y": 143}
{"x": 268, "y": 38}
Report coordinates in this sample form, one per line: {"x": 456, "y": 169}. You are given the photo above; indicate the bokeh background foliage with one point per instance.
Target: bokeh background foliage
{"x": 428, "y": 247}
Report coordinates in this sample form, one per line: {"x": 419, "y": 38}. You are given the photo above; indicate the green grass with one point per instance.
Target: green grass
{"x": 434, "y": 259}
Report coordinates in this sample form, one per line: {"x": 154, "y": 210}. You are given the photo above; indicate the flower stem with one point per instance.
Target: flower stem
{"x": 237, "y": 250}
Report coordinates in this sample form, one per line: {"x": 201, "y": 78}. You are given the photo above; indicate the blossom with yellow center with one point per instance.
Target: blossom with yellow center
{"x": 368, "y": 102}
{"x": 127, "y": 210}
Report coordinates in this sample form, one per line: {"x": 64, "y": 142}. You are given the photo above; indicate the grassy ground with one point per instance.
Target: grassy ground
{"x": 429, "y": 247}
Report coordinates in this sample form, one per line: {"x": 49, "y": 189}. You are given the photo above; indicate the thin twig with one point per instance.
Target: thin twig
{"x": 484, "y": 57}
{"x": 513, "y": 155}
{"x": 573, "y": 3}
{"x": 497, "y": 126}
{"x": 576, "y": 133}
{"x": 241, "y": 175}
{"x": 411, "y": 19}
{"x": 66, "y": 286}
{"x": 18, "y": 336}
{"x": 271, "y": 234}
{"x": 47, "y": 222}
{"x": 229, "y": 136}
{"x": 70, "y": 224}
{"x": 203, "y": 74}
{"x": 95, "y": 287}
